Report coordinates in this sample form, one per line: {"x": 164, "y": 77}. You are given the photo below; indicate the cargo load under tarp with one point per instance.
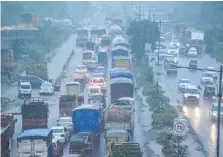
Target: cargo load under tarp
{"x": 66, "y": 104}
{"x": 38, "y": 69}
{"x": 34, "y": 114}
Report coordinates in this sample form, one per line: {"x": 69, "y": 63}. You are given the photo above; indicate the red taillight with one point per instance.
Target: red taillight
{"x": 114, "y": 108}
{"x": 62, "y": 135}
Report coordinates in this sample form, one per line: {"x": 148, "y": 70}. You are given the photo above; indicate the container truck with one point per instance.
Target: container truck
{"x": 35, "y": 142}
{"x": 34, "y": 113}
{"x": 121, "y": 87}
{"x": 121, "y": 62}
{"x": 7, "y": 130}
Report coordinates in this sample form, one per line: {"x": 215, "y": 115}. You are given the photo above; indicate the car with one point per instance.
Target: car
{"x": 46, "y": 88}
{"x": 191, "y": 95}
{"x": 66, "y": 122}
{"x": 93, "y": 90}
{"x": 213, "y": 111}
{"x": 209, "y": 72}
{"x": 99, "y": 75}
{"x": 206, "y": 80}
{"x": 81, "y": 69}
{"x": 192, "y": 52}
{"x": 80, "y": 77}
{"x": 172, "y": 50}
{"x": 100, "y": 69}
{"x": 175, "y": 43}
{"x": 35, "y": 82}
{"x": 92, "y": 64}
{"x": 182, "y": 84}
{"x": 25, "y": 89}
{"x": 98, "y": 81}
{"x": 61, "y": 133}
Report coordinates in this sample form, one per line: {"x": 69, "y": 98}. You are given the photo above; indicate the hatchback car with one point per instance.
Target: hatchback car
{"x": 46, "y": 88}
{"x": 61, "y": 133}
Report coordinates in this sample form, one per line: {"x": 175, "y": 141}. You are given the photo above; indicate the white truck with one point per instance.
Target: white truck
{"x": 119, "y": 115}
{"x": 35, "y": 142}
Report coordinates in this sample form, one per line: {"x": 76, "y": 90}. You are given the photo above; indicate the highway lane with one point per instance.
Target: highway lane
{"x": 199, "y": 115}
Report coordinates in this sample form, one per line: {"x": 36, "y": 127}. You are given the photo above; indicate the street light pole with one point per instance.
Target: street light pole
{"x": 159, "y": 44}
{"x": 219, "y": 111}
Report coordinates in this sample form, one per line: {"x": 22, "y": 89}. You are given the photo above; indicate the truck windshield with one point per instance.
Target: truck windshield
{"x": 25, "y": 86}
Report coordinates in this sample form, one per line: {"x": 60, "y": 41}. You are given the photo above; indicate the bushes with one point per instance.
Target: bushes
{"x": 163, "y": 113}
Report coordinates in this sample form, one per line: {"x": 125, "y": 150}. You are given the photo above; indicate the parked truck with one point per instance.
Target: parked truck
{"x": 125, "y": 149}
{"x": 121, "y": 62}
{"x": 192, "y": 38}
{"x": 38, "y": 69}
{"x": 87, "y": 119}
{"x": 7, "y": 130}
{"x": 35, "y": 143}
{"x": 34, "y": 113}
{"x": 69, "y": 101}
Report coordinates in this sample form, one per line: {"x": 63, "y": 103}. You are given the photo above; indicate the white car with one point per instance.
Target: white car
{"x": 207, "y": 80}
{"x": 92, "y": 64}
{"x": 98, "y": 81}
{"x": 183, "y": 83}
{"x": 25, "y": 89}
{"x": 94, "y": 90}
{"x": 191, "y": 95}
{"x": 192, "y": 52}
{"x": 66, "y": 122}
{"x": 210, "y": 73}
{"x": 172, "y": 50}
{"x": 175, "y": 43}
{"x": 99, "y": 75}
{"x": 81, "y": 69}
{"x": 61, "y": 133}
{"x": 46, "y": 88}
{"x": 213, "y": 111}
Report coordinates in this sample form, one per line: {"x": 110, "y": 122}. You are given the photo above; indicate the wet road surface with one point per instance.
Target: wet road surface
{"x": 198, "y": 115}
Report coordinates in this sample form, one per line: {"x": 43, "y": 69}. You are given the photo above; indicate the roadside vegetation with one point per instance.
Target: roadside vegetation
{"x": 163, "y": 113}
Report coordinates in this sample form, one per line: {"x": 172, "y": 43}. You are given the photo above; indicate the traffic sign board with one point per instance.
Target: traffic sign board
{"x": 179, "y": 127}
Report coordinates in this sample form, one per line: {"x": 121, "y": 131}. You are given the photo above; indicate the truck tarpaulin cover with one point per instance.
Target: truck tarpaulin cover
{"x": 120, "y": 51}
{"x": 117, "y": 74}
{"x": 35, "y": 110}
{"x": 121, "y": 87}
{"x": 36, "y": 134}
{"x": 86, "y": 120}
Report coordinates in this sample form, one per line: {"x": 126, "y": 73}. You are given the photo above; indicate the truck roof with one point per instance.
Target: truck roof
{"x": 121, "y": 80}
{"x": 72, "y": 83}
{"x": 120, "y": 57}
{"x": 35, "y": 134}
{"x": 119, "y": 48}
{"x": 25, "y": 83}
{"x": 195, "y": 31}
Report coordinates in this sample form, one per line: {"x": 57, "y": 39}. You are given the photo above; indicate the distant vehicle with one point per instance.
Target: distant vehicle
{"x": 97, "y": 75}
{"x": 209, "y": 72}
{"x": 25, "y": 89}
{"x": 66, "y": 122}
{"x": 192, "y": 52}
{"x": 172, "y": 50}
{"x": 182, "y": 84}
{"x": 61, "y": 133}
{"x": 213, "y": 111}
{"x": 209, "y": 91}
{"x": 81, "y": 69}
{"x": 97, "y": 99}
{"x": 98, "y": 81}
{"x": 100, "y": 69}
{"x": 46, "y": 88}
{"x": 193, "y": 64}
{"x": 207, "y": 80}
{"x": 175, "y": 43}
{"x": 35, "y": 82}
{"x": 191, "y": 95}
{"x": 93, "y": 90}
{"x": 80, "y": 77}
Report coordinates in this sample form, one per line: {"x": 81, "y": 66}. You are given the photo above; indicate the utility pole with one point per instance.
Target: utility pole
{"x": 158, "y": 57}
{"x": 219, "y": 111}
{"x": 219, "y": 103}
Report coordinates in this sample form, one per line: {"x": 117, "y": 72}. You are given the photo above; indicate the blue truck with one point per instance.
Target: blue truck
{"x": 121, "y": 72}
{"x": 35, "y": 142}
{"x": 86, "y": 119}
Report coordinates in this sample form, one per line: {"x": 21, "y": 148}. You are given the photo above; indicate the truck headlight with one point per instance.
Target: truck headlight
{"x": 185, "y": 96}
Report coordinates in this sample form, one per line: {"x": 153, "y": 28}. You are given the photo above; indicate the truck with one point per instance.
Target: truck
{"x": 7, "y": 130}
{"x": 119, "y": 115}
{"x": 129, "y": 149}
{"x": 102, "y": 57}
{"x": 106, "y": 40}
{"x": 69, "y": 101}
{"x": 121, "y": 62}
{"x": 7, "y": 59}
{"x": 122, "y": 72}
{"x": 86, "y": 119}
{"x": 35, "y": 113}
{"x": 193, "y": 38}
{"x": 38, "y": 69}
{"x": 120, "y": 51}
{"x": 121, "y": 87}
{"x": 82, "y": 37}
{"x": 35, "y": 142}
{"x": 171, "y": 66}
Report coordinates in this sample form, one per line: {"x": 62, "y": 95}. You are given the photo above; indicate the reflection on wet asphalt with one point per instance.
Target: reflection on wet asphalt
{"x": 198, "y": 115}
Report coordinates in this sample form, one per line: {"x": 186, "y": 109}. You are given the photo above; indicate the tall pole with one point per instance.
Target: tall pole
{"x": 219, "y": 111}
{"x": 149, "y": 15}
{"x": 153, "y": 17}
{"x": 159, "y": 45}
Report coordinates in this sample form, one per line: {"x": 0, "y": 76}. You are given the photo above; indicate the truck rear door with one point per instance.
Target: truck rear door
{"x": 25, "y": 148}
{"x": 40, "y": 148}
